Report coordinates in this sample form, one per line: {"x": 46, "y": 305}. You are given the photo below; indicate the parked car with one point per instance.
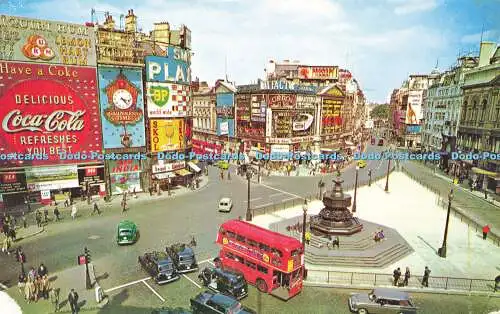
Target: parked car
{"x": 159, "y": 266}
{"x": 382, "y": 300}
{"x": 208, "y": 302}
{"x": 224, "y": 281}
{"x": 183, "y": 257}
{"x": 166, "y": 310}
{"x": 127, "y": 232}
{"x": 225, "y": 204}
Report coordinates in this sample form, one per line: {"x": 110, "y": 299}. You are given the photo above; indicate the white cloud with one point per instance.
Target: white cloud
{"x": 413, "y": 6}
{"x": 250, "y": 33}
{"x": 475, "y": 38}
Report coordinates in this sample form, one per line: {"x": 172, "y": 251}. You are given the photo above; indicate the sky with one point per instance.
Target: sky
{"x": 380, "y": 41}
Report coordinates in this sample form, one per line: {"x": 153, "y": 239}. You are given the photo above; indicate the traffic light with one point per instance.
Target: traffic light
{"x": 87, "y": 255}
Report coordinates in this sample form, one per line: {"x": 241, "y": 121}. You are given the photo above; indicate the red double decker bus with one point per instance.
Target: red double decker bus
{"x": 273, "y": 262}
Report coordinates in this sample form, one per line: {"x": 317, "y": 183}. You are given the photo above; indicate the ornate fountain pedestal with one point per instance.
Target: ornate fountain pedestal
{"x": 335, "y": 218}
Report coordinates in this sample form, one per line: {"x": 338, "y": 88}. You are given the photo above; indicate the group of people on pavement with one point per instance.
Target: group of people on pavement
{"x": 35, "y": 285}
{"x": 400, "y": 281}
{"x": 8, "y": 224}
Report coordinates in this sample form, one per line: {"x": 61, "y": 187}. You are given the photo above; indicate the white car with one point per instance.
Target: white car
{"x": 225, "y": 204}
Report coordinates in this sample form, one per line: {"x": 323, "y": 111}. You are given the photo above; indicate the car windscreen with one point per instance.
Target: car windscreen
{"x": 125, "y": 232}
{"x": 165, "y": 268}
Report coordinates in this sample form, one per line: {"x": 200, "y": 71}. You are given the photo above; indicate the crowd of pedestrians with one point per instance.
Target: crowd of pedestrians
{"x": 402, "y": 281}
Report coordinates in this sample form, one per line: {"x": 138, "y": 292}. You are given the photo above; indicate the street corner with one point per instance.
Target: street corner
{"x": 25, "y": 233}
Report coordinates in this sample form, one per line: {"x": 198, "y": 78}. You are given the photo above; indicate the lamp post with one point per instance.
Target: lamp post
{"x": 88, "y": 282}
{"x": 442, "y": 249}
{"x": 249, "y": 214}
{"x": 355, "y": 190}
{"x": 304, "y": 218}
{"x": 369, "y": 177}
{"x": 388, "y": 171}
{"x": 258, "y": 175}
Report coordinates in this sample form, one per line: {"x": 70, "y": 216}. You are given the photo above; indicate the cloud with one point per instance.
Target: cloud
{"x": 370, "y": 39}
{"x": 476, "y": 38}
{"x": 405, "y": 7}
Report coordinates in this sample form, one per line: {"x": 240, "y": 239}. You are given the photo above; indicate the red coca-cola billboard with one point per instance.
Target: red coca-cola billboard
{"x": 46, "y": 110}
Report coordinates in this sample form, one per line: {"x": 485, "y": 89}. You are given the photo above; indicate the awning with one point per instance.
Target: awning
{"x": 482, "y": 171}
{"x": 164, "y": 175}
{"x": 194, "y": 167}
{"x": 183, "y": 172}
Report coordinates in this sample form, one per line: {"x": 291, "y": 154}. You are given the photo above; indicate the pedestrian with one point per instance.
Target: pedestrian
{"x": 150, "y": 189}
{"x": 28, "y": 291}
{"x": 222, "y": 174}
{"x": 425, "y": 278}
{"x": 12, "y": 234}
{"x": 308, "y": 237}
{"x": 124, "y": 206}
{"x": 42, "y": 270}
{"x": 25, "y": 223}
{"x": 396, "y": 275}
{"x": 96, "y": 209}
{"x": 46, "y": 215}
{"x": 21, "y": 283}
{"x": 54, "y": 298}
{"x": 73, "y": 301}
{"x": 486, "y": 230}
{"x": 32, "y": 274}
{"x": 497, "y": 283}
{"x": 7, "y": 242}
{"x": 38, "y": 218}
{"x": 135, "y": 194}
{"x": 407, "y": 276}
{"x": 73, "y": 212}
{"x": 56, "y": 213}
{"x": 45, "y": 287}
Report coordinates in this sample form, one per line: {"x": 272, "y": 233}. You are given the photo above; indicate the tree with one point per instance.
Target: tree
{"x": 380, "y": 112}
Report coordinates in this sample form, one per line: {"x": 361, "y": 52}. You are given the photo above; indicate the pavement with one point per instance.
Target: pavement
{"x": 412, "y": 210}
{"x": 24, "y": 233}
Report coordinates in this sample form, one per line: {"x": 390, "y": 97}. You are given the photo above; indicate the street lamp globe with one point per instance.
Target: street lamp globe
{"x": 357, "y": 167}
{"x": 249, "y": 175}
{"x": 450, "y": 196}
{"x": 304, "y": 208}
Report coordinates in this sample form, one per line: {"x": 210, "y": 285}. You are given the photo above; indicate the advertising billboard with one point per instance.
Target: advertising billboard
{"x": 285, "y": 86}
{"x": 318, "y": 72}
{"x": 125, "y": 176}
{"x": 292, "y": 123}
{"x": 172, "y": 68}
{"x": 166, "y": 134}
{"x": 12, "y": 182}
{"x": 45, "y": 112}
{"x": 41, "y": 41}
{"x": 224, "y": 99}
{"x": 282, "y": 101}
{"x": 188, "y": 133}
{"x": 331, "y": 116}
{"x": 52, "y": 178}
{"x": 122, "y": 107}
{"x": 225, "y": 127}
{"x": 243, "y": 107}
{"x": 167, "y": 100}
{"x": 118, "y": 48}
{"x": 414, "y": 110}
{"x": 258, "y": 108}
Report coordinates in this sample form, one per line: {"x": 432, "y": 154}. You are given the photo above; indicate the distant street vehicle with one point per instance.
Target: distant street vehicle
{"x": 159, "y": 266}
{"x": 380, "y": 142}
{"x": 223, "y": 164}
{"x": 271, "y": 261}
{"x": 225, "y": 204}
{"x": 361, "y": 163}
{"x": 183, "y": 257}
{"x": 224, "y": 281}
{"x": 127, "y": 232}
{"x": 382, "y": 300}
{"x": 208, "y": 302}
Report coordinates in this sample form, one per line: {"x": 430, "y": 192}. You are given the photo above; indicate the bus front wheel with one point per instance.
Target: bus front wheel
{"x": 261, "y": 285}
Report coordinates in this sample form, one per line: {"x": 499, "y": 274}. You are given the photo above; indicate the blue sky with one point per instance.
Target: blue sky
{"x": 380, "y": 41}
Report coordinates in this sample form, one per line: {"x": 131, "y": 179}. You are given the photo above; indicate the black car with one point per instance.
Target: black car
{"x": 160, "y": 266}
{"x": 165, "y": 310}
{"x": 213, "y": 303}
{"x": 183, "y": 257}
{"x": 224, "y": 281}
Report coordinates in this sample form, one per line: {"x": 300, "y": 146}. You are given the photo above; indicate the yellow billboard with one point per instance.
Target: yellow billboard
{"x": 166, "y": 135}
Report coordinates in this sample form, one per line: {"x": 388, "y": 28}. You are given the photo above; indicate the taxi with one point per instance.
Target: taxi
{"x": 361, "y": 163}
{"x": 127, "y": 232}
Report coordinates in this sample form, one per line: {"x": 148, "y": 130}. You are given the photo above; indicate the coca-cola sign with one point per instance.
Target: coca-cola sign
{"x": 46, "y": 110}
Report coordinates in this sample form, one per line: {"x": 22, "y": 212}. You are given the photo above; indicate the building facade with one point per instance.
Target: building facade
{"x": 479, "y": 129}
{"x": 204, "y": 119}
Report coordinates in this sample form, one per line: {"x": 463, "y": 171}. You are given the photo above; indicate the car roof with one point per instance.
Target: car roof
{"x": 126, "y": 224}
{"x": 225, "y": 199}
{"x": 223, "y": 300}
{"x": 388, "y": 293}
{"x": 230, "y": 274}
{"x": 160, "y": 257}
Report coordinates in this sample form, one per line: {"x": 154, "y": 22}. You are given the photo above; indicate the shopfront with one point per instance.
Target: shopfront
{"x": 49, "y": 182}
{"x": 13, "y": 188}
{"x": 125, "y": 176}
{"x": 91, "y": 180}
{"x": 164, "y": 176}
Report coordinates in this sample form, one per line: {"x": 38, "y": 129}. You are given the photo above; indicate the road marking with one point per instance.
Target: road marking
{"x": 208, "y": 260}
{"x": 289, "y": 199}
{"x": 194, "y": 283}
{"x": 278, "y": 190}
{"x": 4, "y": 287}
{"x": 153, "y": 290}
{"x": 127, "y": 284}
{"x": 274, "y": 195}
{"x": 264, "y": 205}
{"x": 254, "y": 199}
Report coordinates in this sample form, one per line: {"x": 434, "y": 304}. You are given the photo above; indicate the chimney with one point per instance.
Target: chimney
{"x": 486, "y": 52}
{"x": 109, "y": 23}
{"x": 131, "y": 22}
{"x": 161, "y": 32}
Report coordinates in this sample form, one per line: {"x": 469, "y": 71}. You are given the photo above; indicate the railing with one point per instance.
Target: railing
{"x": 338, "y": 278}
{"x": 274, "y": 207}
{"x": 442, "y": 201}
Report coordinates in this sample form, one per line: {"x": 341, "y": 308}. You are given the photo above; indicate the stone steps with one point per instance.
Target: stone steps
{"x": 318, "y": 242}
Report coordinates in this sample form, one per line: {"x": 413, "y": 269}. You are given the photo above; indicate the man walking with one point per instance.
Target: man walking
{"x": 96, "y": 209}
{"x": 407, "y": 276}
{"x": 73, "y": 212}
{"x": 56, "y": 213}
{"x": 486, "y": 230}
{"x": 396, "y": 275}
{"x": 38, "y": 218}
{"x": 54, "y": 298}
{"x": 46, "y": 215}
{"x": 73, "y": 301}
{"x": 425, "y": 279}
